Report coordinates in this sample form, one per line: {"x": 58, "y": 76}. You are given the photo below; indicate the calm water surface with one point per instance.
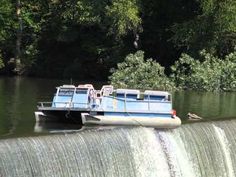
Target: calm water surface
{"x": 19, "y": 97}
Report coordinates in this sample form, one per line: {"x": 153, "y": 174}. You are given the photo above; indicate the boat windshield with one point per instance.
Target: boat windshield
{"x": 66, "y": 92}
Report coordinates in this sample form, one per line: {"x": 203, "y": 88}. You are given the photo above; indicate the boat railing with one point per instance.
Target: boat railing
{"x": 62, "y": 104}
{"x": 147, "y": 105}
{"x": 140, "y": 100}
{"x": 44, "y": 104}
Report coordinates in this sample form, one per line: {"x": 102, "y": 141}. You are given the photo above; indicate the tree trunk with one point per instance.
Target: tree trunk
{"x": 18, "y": 65}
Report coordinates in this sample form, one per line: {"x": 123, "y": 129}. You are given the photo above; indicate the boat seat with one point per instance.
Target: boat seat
{"x": 106, "y": 90}
{"x": 127, "y": 93}
{"x": 81, "y": 97}
{"x": 156, "y": 95}
{"x": 90, "y": 86}
{"x": 63, "y": 96}
{"x": 67, "y": 86}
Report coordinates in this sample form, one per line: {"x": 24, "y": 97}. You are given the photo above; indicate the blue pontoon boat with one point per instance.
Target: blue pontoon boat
{"x": 111, "y": 107}
{"x": 68, "y": 103}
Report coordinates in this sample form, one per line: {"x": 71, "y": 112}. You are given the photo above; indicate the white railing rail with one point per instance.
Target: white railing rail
{"x": 62, "y": 104}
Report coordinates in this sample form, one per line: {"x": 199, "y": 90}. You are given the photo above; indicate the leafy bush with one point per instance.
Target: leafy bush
{"x": 209, "y": 73}
{"x": 137, "y": 73}
{"x": 1, "y": 62}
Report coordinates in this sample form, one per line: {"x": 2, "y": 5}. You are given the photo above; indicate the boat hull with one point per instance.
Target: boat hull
{"x": 65, "y": 116}
{"x": 155, "y": 122}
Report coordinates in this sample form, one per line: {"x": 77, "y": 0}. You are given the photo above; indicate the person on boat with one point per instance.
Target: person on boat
{"x": 91, "y": 96}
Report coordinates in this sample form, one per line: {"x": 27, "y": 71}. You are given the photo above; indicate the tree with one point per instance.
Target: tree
{"x": 207, "y": 73}
{"x": 7, "y": 26}
{"x": 213, "y": 28}
{"x": 19, "y": 27}
{"x": 18, "y": 38}
{"x": 84, "y": 34}
{"x": 123, "y": 17}
{"x": 137, "y": 73}
{"x": 1, "y": 61}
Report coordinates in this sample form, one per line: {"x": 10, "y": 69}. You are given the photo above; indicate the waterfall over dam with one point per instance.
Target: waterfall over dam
{"x": 192, "y": 150}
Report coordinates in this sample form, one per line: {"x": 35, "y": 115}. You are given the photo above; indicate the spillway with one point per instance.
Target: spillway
{"x": 192, "y": 150}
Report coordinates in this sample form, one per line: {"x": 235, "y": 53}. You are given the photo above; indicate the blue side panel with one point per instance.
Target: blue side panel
{"x": 129, "y": 105}
{"x": 120, "y": 95}
{"x": 136, "y": 105}
{"x": 160, "y": 106}
{"x": 61, "y": 101}
{"x": 108, "y": 104}
{"x": 119, "y": 105}
{"x": 80, "y": 100}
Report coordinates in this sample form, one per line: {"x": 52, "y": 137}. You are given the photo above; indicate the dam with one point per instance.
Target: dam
{"x": 205, "y": 149}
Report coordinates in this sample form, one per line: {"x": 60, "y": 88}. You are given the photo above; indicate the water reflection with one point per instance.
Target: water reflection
{"x": 209, "y": 105}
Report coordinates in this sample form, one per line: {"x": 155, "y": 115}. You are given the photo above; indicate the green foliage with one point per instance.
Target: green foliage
{"x": 7, "y": 29}
{"x": 1, "y": 61}
{"x": 209, "y": 73}
{"x": 137, "y": 73}
{"x": 124, "y": 16}
{"x": 66, "y": 22}
{"x": 33, "y": 14}
{"x": 228, "y": 74}
{"x": 213, "y": 28}
{"x": 117, "y": 17}
{"x": 6, "y": 20}
{"x": 30, "y": 55}
{"x": 1, "y": 64}
{"x": 74, "y": 31}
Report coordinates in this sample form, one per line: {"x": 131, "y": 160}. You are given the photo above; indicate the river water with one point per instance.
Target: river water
{"x": 19, "y": 97}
